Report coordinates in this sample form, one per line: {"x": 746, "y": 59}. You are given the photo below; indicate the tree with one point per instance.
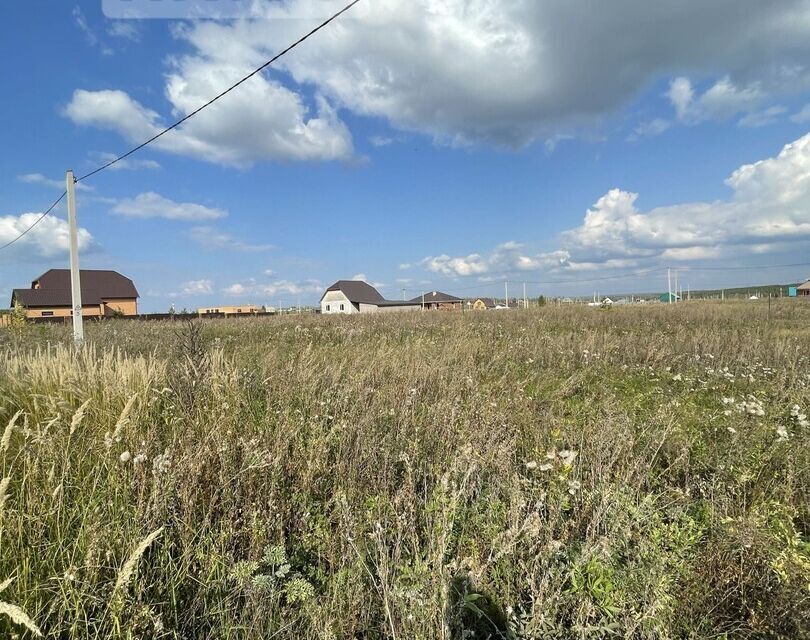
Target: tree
{"x": 541, "y": 301}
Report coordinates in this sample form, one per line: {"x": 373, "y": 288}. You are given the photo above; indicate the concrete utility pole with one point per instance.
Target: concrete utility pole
{"x": 75, "y": 281}
{"x": 525, "y": 301}
{"x": 676, "y": 285}
{"x": 506, "y": 291}
{"x": 669, "y": 285}
{"x": 423, "y": 301}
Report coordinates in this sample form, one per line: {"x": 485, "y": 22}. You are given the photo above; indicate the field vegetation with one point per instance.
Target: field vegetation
{"x": 556, "y": 473}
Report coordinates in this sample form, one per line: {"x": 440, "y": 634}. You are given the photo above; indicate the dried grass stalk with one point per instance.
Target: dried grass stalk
{"x": 131, "y": 564}
{"x": 18, "y": 616}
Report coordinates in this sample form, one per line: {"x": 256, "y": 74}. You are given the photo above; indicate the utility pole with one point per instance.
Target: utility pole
{"x": 423, "y": 301}
{"x": 525, "y": 301}
{"x": 669, "y": 285}
{"x": 506, "y": 291}
{"x": 676, "y": 285}
{"x": 75, "y": 280}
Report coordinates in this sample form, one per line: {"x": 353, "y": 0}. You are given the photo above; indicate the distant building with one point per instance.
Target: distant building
{"x": 665, "y": 297}
{"x": 438, "y": 300}
{"x": 482, "y": 304}
{"x": 230, "y": 310}
{"x": 104, "y": 293}
{"x": 803, "y": 289}
{"x": 356, "y": 296}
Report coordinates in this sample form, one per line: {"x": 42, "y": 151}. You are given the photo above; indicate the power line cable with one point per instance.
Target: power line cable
{"x": 223, "y": 93}
{"x": 188, "y": 116}
{"x": 36, "y": 222}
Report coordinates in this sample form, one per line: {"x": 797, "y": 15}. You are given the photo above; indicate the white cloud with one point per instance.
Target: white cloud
{"x": 654, "y": 127}
{"x": 127, "y": 164}
{"x": 362, "y": 277}
{"x": 212, "y": 238}
{"x": 48, "y": 239}
{"x": 721, "y": 101}
{"x": 461, "y": 266}
{"x": 114, "y": 110}
{"x": 274, "y": 288}
{"x": 89, "y": 34}
{"x": 468, "y": 71}
{"x": 461, "y": 71}
{"x": 762, "y": 118}
{"x": 38, "y": 178}
{"x": 507, "y": 257}
{"x": 769, "y": 209}
{"x": 154, "y": 205}
{"x": 681, "y": 94}
{"x": 770, "y": 203}
{"x": 125, "y": 29}
{"x": 802, "y": 116}
{"x": 262, "y": 120}
{"x": 380, "y": 141}
{"x": 197, "y": 287}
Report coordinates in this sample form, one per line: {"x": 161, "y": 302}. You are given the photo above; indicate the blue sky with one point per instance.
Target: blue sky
{"x": 440, "y": 144}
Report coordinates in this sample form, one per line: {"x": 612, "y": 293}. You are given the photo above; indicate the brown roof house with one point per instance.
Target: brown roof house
{"x": 439, "y": 300}
{"x": 803, "y": 289}
{"x": 356, "y": 296}
{"x": 104, "y": 293}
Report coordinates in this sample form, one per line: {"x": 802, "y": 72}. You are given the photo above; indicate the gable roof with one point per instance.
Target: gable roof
{"x": 356, "y": 291}
{"x": 52, "y": 297}
{"x": 436, "y": 296}
{"x": 54, "y": 288}
{"x": 108, "y": 284}
{"x": 804, "y": 287}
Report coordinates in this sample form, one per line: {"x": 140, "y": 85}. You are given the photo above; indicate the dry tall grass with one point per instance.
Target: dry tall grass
{"x": 564, "y": 473}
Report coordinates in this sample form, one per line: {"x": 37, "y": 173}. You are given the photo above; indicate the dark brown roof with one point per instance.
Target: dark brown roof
{"x": 436, "y": 296}
{"x": 357, "y": 291}
{"x": 52, "y": 297}
{"x": 54, "y": 288}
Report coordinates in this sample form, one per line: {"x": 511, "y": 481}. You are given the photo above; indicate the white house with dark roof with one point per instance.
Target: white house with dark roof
{"x": 356, "y": 296}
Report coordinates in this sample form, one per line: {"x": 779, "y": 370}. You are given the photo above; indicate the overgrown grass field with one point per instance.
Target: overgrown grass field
{"x": 558, "y": 473}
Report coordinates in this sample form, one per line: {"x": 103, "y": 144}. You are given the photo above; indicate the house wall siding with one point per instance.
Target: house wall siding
{"x": 124, "y": 306}
{"x": 62, "y": 312}
{"x": 333, "y": 299}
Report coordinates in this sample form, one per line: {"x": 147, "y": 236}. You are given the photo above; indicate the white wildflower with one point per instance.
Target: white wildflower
{"x": 568, "y": 457}
{"x": 531, "y": 466}
{"x": 546, "y": 466}
{"x": 574, "y": 486}
{"x": 125, "y": 457}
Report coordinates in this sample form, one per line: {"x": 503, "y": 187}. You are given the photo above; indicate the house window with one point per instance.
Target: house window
{"x": 47, "y": 313}
{"x": 341, "y": 307}
{"x": 327, "y": 308}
